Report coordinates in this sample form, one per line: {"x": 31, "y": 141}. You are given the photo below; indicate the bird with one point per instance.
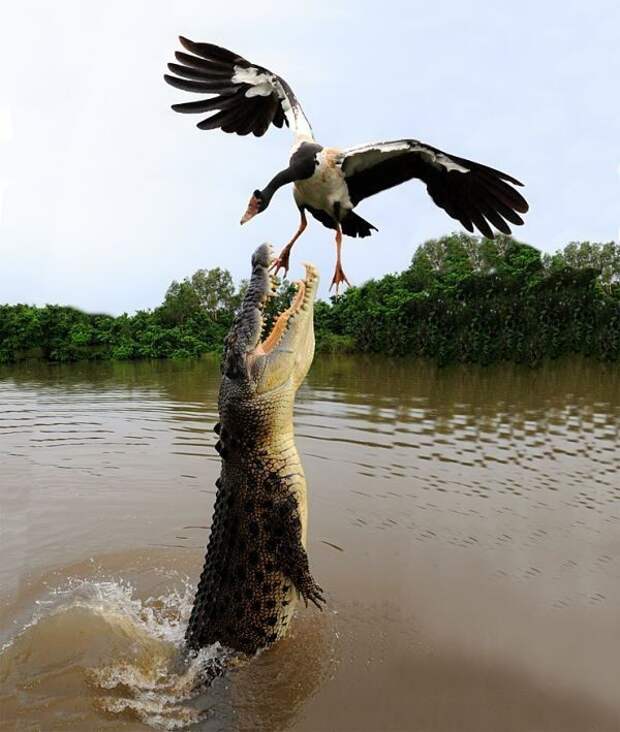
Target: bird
{"x": 329, "y": 182}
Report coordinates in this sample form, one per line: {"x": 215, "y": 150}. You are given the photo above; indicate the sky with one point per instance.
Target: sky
{"x": 106, "y": 195}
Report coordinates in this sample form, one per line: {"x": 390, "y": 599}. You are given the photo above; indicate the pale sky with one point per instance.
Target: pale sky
{"x": 106, "y": 195}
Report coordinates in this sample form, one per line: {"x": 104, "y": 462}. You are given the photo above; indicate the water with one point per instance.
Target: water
{"x": 465, "y": 523}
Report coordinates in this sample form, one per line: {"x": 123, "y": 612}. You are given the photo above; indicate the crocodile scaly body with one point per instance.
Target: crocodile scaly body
{"x": 256, "y": 566}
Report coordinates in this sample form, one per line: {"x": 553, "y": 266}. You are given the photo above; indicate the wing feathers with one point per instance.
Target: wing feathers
{"x": 191, "y": 72}
{"x": 483, "y": 169}
{"x": 265, "y": 116}
{"x": 249, "y": 97}
{"x": 213, "y": 67}
{"x": 458, "y": 212}
{"x": 210, "y": 87}
{"x": 505, "y": 193}
{"x": 244, "y": 122}
{"x": 474, "y": 194}
{"x": 212, "y": 52}
{"x": 279, "y": 118}
{"x": 224, "y": 118}
{"x": 206, "y": 105}
{"x": 504, "y": 208}
{"x": 497, "y": 221}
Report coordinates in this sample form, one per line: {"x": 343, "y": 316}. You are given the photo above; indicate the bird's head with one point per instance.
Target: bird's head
{"x": 258, "y": 203}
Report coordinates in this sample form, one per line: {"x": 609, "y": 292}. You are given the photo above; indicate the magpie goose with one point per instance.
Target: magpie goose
{"x": 328, "y": 182}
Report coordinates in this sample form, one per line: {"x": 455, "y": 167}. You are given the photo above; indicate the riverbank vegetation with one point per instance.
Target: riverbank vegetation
{"x": 462, "y": 299}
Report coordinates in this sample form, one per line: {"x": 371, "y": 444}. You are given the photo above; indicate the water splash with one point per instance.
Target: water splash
{"x": 164, "y": 617}
{"x": 131, "y": 650}
{"x": 157, "y": 696}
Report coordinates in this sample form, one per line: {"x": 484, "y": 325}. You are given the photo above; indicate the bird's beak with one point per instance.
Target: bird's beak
{"x": 252, "y": 209}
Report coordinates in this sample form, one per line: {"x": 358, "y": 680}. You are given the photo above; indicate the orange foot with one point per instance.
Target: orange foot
{"x": 282, "y": 262}
{"x": 339, "y": 277}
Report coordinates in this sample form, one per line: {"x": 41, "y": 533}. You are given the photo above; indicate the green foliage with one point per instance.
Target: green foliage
{"x": 193, "y": 319}
{"x": 466, "y": 299}
{"x": 216, "y": 292}
{"x": 181, "y": 303}
{"x": 461, "y": 299}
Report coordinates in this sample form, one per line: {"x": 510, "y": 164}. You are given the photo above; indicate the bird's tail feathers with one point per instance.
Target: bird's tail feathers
{"x": 354, "y": 225}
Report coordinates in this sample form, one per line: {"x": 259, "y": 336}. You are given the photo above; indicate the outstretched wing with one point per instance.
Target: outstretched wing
{"x": 474, "y": 194}
{"x": 246, "y": 97}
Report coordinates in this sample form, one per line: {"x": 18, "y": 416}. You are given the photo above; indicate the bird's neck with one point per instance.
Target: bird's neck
{"x": 297, "y": 170}
{"x": 301, "y": 166}
{"x": 280, "y": 179}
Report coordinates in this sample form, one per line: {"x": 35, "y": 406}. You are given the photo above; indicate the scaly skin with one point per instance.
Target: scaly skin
{"x": 256, "y": 566}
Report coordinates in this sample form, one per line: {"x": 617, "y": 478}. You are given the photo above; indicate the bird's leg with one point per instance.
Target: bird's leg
{"x": 282, "y": 261}
{"x": 339, "y": 275}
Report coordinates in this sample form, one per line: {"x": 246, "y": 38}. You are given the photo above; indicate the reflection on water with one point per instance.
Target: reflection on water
{"x": 464, "y": 521}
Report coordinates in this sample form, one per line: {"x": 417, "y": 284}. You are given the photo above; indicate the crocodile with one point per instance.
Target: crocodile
{"x": 256, "y": 566}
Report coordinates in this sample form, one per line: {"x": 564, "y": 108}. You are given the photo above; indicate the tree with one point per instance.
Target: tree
{"x": 603, "y": 257}
{"x": 180, "y": 303}
{"x": 462, "y": 299}
{"x": 215, "y": 291}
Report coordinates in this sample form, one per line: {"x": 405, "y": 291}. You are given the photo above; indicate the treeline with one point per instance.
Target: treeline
{"x": 461, "y": 299}
{"x": 193, "y": 319}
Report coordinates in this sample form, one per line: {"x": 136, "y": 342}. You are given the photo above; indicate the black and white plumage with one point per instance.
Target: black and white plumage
{"x": 248, "y": 98}
{"x": 329, "y": 183}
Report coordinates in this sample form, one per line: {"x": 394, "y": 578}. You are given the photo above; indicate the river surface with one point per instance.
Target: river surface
{"x": 464, "y": 522}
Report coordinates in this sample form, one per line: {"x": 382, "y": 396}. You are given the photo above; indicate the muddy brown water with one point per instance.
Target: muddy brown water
{"x": 464, "y": 522}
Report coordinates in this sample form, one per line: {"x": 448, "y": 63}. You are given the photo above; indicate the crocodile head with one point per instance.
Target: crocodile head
{"x": 256, "y": 362}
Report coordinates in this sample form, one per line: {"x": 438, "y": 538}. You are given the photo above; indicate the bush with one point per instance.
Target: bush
{"x": 461, "y": 299}
{"x": 478, "y": 300}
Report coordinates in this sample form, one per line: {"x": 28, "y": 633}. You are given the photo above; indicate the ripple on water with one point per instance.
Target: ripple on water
{"x": 446, "y": 489}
